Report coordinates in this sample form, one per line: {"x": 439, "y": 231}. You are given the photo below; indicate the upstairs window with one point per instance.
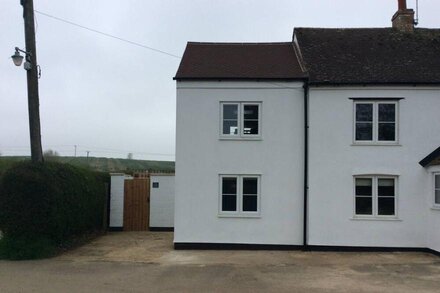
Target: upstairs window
{"x": 437, "y": 189}
{"x": 375, "y": 196}
{"x": 239, "y": 195}
{"x": 240, "y": 120}
{"x": 375, "y": 122}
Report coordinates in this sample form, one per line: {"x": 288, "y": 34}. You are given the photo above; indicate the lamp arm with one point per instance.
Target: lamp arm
{"x": 22, "y": 51}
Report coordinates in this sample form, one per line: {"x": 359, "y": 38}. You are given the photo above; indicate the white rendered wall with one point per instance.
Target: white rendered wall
{"x": 434, "y": 229}
{"x": 334, "y": 160}
{"x": 117, "y": 200}
{"x": 162, "y": 201}
{"x": 201, "y": 156}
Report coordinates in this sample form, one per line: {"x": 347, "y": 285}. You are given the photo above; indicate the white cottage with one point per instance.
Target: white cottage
{"x": 325, "y": 142}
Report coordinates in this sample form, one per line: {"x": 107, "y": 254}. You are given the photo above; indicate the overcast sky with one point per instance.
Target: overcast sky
{"x": 112, "y": 98}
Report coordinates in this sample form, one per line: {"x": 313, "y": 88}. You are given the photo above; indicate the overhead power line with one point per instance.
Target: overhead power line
{"x": 135, "y": 43}
{"x": 107, "y": 35}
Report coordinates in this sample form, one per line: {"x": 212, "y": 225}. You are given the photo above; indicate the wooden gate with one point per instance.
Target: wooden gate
{"x": 136, "y": 204}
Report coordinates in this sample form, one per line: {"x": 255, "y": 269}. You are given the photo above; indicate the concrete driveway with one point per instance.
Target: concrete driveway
{"x": 146, "y": 262}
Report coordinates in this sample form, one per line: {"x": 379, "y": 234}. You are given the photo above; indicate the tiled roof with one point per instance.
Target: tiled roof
{"x": 239, "y": 61}
{"x": 370, "y": 56}
{"x": 433, "y": 158}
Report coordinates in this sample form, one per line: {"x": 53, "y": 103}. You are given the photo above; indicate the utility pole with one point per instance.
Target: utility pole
{"x": 32, "y": 81}
{"x": 75, "y": 151}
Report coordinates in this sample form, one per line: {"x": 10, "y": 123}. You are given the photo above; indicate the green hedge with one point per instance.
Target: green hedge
{"x": 47, "y": 205}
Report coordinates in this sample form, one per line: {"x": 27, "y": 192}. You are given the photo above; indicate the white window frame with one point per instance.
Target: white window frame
{"x": 435, "y": 204}
{"x": 375, "y": 197}
{"x": 239, "y": 204}
{"x": 240, "y": 123}
{"x": 375, "y": 140}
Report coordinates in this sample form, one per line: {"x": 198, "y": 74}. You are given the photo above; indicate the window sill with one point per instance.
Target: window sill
{"x": 255, "y": 216}
{"x": 435, "y": 208}
{"x": 375, "y": 219}
{"x": 375, "y": 144}
{"x": 241, "y": 138}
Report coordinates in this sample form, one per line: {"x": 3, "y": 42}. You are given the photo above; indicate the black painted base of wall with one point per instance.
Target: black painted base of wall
{"x": 154, "y": 229}
{"x": 370, "y": 249}
{"x": 233, "y": 246}
{"x": 161, "y": 229}
{"x": 435, "y": 252}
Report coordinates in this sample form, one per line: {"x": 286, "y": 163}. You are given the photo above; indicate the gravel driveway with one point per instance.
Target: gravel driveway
{"x": 146, "y": 262}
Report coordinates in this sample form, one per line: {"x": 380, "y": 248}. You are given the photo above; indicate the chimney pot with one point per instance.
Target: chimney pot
{"x": 402, "y": 5}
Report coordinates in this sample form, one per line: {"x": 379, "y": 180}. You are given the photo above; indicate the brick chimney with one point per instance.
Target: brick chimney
{"x": 403, "y": 19}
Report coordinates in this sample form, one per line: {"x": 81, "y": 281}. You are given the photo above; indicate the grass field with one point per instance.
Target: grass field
{"x": 100, "y": 164}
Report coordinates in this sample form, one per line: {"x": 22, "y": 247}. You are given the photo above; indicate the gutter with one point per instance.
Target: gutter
{"x": 372, "y": 83}
{"x": 220, "y": 78}
{"x": 306, "y": 163}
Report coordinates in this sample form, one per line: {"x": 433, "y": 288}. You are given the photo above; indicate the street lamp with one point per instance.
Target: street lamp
{"x": 18, "y": 59}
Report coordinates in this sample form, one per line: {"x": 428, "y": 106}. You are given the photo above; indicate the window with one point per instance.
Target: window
{"x": 240, "y": 120}
{"x": 375, "y": 196}
{"x": 230, "y": 119}
{"x": 155, "y": 184}
{"x": 437, "y": 189}
{"x": 239, "y": 195}
{"x": 375, "y": 121}
{"x": 364, "y": 196}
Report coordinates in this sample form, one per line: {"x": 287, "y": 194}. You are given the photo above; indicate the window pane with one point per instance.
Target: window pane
{"x": 229, "y": 185}
{"x": 250, "y": 185}
{"x": 387, "y": 112}
{"x": 364, "y": 186}
{"x": 437, "y": 181}
{"x": 364, "y": 112}
{"x": 387, "y": 131}
{"x": 229, "y": 203}
{"x": 437, "y": 197}
{"x": 364, "y": 131}
{"x": 386, "y": 206}
{"x": 250, "y": 127}
{"x": 364, "y": 206}
{"x": 250, "y": 111}
{"x": 230, "y": 111}
{"x": 230, "y": 127}
{"x": 250, "y": 203}
{"x": 385, "y": 187}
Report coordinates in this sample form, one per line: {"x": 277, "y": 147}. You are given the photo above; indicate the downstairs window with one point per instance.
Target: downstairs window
{"x": 375, "y": 196}
{"x": 239, "y": 195}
